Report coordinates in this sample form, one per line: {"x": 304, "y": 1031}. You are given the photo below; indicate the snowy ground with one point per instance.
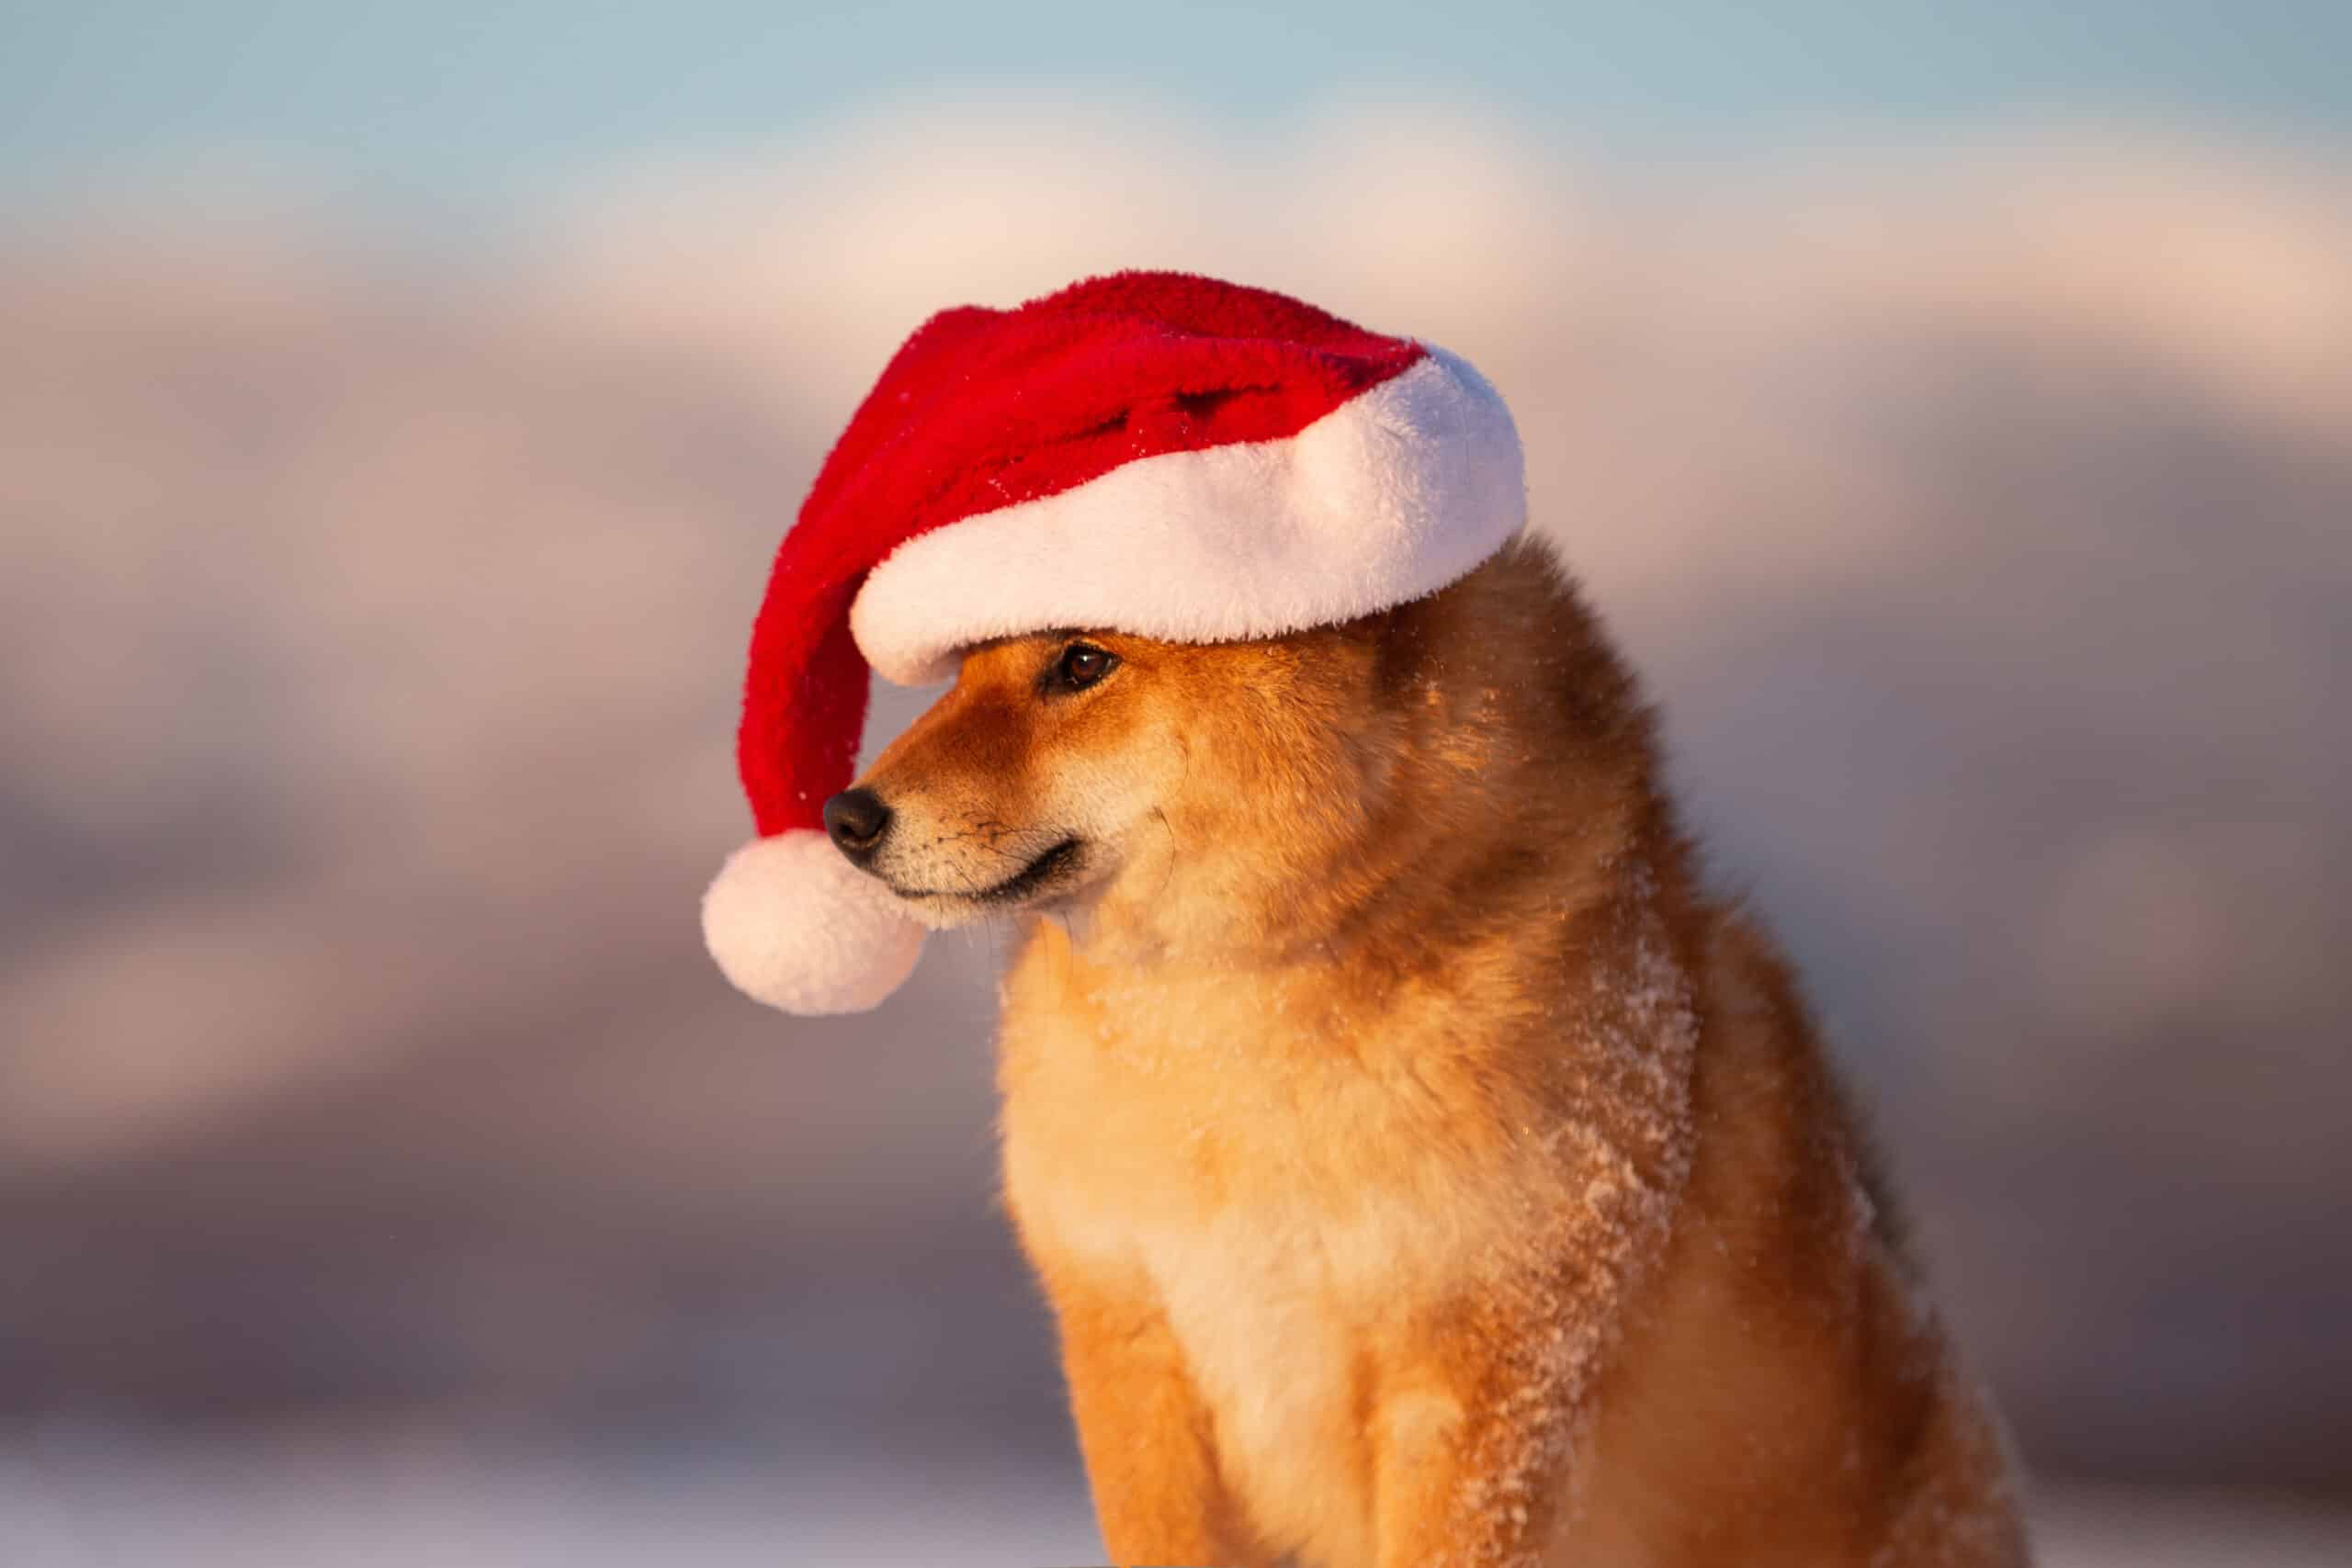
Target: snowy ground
{"x": 83, "y": 1504}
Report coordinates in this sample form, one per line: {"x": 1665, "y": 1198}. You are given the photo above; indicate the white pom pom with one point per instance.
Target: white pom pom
{"x": 798, "y": 927}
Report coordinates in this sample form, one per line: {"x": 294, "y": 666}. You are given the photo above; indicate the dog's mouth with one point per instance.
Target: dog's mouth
{"x": 1055, "y": 864}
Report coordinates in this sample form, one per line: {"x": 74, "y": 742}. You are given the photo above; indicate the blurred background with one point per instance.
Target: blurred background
{"x": 1949, "y": 407}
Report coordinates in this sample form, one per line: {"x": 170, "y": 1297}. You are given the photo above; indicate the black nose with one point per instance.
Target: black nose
{"x": 856, "y": 818}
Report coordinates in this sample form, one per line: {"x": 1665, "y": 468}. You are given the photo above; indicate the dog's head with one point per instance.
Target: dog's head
{"x": 1091, "y": 772}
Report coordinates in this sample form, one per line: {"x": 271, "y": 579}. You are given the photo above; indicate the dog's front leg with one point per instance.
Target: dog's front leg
{"x": 1454, "y": 1482}
{"x": 1143, "y": 1429}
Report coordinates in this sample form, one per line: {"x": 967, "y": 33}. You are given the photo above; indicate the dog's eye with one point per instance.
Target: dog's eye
{"x": 1080, "y": 665}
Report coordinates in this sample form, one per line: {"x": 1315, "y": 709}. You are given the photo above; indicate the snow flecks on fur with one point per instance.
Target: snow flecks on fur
{"x": 1622, "y": 1157}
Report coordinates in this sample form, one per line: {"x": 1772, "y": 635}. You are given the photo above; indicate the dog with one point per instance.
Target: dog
{"x": 1423, "y": 1167}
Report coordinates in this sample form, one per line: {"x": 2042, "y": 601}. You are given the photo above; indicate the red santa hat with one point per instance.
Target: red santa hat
{"x": 1152, "y": 453}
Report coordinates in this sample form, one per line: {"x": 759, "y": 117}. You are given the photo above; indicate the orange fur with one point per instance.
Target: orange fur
{"x": 1423, "y": 1170}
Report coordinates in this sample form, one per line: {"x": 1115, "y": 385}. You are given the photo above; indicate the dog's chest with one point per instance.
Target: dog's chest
{"x": 1275, "y": 1300}
{"x": 1270, "y": 1335}
{"x": 1288, "y": 1224}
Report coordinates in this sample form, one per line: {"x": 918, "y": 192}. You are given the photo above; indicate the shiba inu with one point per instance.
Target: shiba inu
{"x": 1424, "y": 1169}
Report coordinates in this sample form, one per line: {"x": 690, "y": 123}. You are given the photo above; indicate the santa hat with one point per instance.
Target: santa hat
{"x": 1152, "y": 453}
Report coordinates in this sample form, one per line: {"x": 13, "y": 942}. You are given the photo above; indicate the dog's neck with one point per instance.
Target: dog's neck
{"x": 1507, "y": 923}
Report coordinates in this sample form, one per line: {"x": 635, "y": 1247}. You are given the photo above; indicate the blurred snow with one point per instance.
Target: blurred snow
{"x": 312, "y": 1507}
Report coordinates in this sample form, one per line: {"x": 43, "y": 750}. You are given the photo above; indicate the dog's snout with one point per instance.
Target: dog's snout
{"x": 856, "y": 819}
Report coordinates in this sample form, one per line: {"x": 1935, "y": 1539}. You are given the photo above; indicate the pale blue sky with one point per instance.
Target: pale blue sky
{"x": 433, "y": 98}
